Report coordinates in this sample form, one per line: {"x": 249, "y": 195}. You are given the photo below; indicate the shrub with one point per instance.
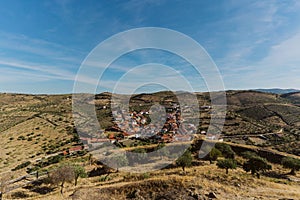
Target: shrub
{"x": 291, "y": 163}
{"x": 249, "y": 154}
{"x": 226, "y": 150}
{"x": 19, "y": 195}
{"x": 185, "y": 160}
{"x": 255, "y": 165}
{"x": 21, "y": 137}
{"x": 21, "y": 166}
{"x": 213, "y": 155}
{"x": 79, "y": 171}
{"x": 54, "y": 159}
{"x": 227, "y": 164}
{"x": 62, "y": 175}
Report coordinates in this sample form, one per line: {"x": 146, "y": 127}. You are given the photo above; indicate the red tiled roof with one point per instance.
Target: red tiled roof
{"x": 78, "y": 148}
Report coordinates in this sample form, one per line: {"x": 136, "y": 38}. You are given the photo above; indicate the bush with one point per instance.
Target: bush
{"x": 21, "y": 137}
{"x": 213, "y": 155}
{"x": 291, "y": 163}
{"x": 249, "y": 154}
{"x": 255, "y": 165}
{"x": 19, "y": 195}
{"x": 226, "y": 150}
{"x": 104, "y": 178}
{"x": 55, "y": 159}
{"x": 227, "y": 164}
{"x": 61, "y": 175}
{"x": 21, "y": 166}
{"x": 185, "y": 160}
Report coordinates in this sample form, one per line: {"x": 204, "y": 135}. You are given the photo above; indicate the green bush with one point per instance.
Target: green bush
{"x": 104, "y": 178}
{"x": 291, "y": 163}
{"x": 227, "y": 164}
{"x": 213, "y": 154}
{"x": 21, "y": 137}
{"x": 185, "y": 160}
{"x": 226, "y": 150}
{"x": 249, "y": 154}
{"x": 21, "y": 166}
{"x": 256, "y": 164}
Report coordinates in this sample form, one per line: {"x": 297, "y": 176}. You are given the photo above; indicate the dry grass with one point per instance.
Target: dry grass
{"x": 15, "y": 151}
{"x": 174, "y": 184}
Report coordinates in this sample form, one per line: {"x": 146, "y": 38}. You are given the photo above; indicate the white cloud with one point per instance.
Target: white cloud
{"x": 263, "y": 47}
{"x": 37, "y": 47}
{"x": 42, "y": 69}
{"x": 280, "y": 68}
{"x": 285, "y": 54}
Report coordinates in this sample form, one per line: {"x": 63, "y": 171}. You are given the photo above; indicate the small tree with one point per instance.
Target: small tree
{"x": 227, "y": 164}
{"x": 249, "y": 154}
{"x": 79, "y": 171}
{"x": 63, "y": 174}
{"x": 185, "y": 160}
{"x": 226, "y": 150}
{"x": 213, "y": 155}
{"x": 256, "y": 164}
{"x": 291, "y": 163}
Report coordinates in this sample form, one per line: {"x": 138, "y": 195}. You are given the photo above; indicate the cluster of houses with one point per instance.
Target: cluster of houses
{"x": 137, "y": 125}
{"x": 134, "y": 124}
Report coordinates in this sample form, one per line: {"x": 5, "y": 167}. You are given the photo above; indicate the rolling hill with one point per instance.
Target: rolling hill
{"x": 277, "y": 90}
{"x": 36, "y": 129}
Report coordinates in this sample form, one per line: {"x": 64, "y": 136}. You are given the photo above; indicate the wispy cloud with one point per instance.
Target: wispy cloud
{"x": 262, "y": 46}
{"x": 42, "y": 70}
{"x": 137, "y": 8}
{"x": 36, "y": 60}
{"x": 279, "y": 68}
{"x": 23, "y": 44}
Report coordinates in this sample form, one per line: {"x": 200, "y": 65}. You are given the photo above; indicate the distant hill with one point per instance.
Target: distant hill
{"x": 293, "y": 97}
{"x": 277, "y": 90}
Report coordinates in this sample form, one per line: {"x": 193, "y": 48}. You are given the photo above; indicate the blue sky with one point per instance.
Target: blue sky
{"x": 255, "y": 44}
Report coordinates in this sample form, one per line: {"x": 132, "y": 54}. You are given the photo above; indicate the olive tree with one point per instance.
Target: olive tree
{"x": 79, "y": 171}
{"x": 291, "y": 163}
{"x": 227, "y": 164}
{"x": 61, "y": 175}
{"x": 213, "y": 155}
{"x": 226, "y": 150}
{"x": 255, "y": 165}
{"x": 185, "y": 160}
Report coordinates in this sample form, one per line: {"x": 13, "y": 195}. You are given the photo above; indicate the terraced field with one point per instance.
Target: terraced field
{"x": 248, "y": 113}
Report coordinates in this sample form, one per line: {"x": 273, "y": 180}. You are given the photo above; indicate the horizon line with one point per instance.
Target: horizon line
{"x": 226, "y": 90}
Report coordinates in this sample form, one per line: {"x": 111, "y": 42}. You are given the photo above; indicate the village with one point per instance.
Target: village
{"x": 137, "y": 126}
